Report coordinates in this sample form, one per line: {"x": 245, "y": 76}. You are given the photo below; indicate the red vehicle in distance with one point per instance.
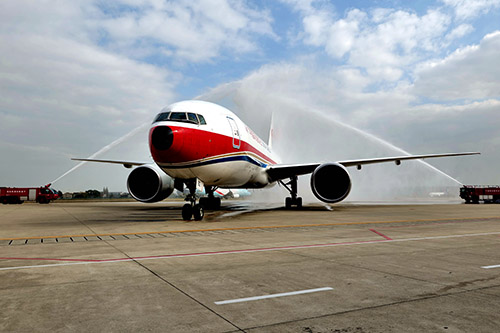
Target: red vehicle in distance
{"x": 476, "y": 193}
{"x": 18, "y": 195}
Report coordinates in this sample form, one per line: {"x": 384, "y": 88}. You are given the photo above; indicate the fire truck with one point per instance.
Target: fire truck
{"x": 18, "y": 195}
{"x": 477, "y": 193}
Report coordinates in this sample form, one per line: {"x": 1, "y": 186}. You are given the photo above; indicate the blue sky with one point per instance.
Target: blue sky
{"x": 77, "y": 75}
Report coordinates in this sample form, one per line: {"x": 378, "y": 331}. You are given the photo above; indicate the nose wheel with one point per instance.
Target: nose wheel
{"x": 192, "y": 209}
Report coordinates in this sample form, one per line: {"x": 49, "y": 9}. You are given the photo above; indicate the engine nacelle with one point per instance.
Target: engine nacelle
{"x": 330, "y": 182}
{"x": 148, "y": 183}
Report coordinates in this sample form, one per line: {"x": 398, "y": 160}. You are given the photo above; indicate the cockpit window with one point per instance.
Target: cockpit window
{"x": 162, "y": 117}
{"x": 192, "y": 118}
{"x": 182, "y": 117}
{"x": 202, "y": 119}
{"x": 178, "y": 116}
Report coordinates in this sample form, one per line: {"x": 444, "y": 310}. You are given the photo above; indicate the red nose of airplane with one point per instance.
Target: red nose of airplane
{"x": 162, "y": 138}
{"x": 165, "y": 144}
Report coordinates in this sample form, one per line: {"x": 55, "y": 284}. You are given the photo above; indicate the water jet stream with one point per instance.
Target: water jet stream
{"x": 103, "y": 150}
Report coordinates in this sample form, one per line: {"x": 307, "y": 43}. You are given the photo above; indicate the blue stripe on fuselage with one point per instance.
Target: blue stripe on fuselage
{"x": 244, "y": 158}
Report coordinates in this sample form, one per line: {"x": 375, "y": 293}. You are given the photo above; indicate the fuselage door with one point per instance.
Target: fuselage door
{"x": 235, "y": 132}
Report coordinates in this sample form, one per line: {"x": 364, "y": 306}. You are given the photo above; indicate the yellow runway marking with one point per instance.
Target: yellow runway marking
{"x": 251, "y": 228}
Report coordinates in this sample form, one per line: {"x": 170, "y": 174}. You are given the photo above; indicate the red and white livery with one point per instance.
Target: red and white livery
{"x": 198, "y": 144}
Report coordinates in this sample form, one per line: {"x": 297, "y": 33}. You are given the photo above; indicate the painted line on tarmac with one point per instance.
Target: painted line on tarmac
{"x": 180, "y": 255}
{"x": 257, "y": 298}
{"x": 452, "y": 220}
{"x": 489, "y": 267}
{"x": 380, "y": 234}
{"x": 198, "y": 254}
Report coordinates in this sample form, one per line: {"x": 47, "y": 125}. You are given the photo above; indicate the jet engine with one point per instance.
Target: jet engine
{"x": 148, "y": 183}
{"x": 330, "y": 182}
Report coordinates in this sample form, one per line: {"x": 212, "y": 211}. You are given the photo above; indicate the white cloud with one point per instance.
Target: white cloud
{"x": 469, "y": 73}
{"x": 468, "y": 9}
{"x": 196, "y": 31}
{"x": 382, "y": 41}
{"x": 62, "y": 80}
{"x": 459, "y": 32}
{"x": 343, "y": 33}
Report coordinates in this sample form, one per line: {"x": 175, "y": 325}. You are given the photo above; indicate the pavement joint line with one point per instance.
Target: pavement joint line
{"x": 256, "y": 228}
{"x": 257, "y": 298}
{"x": 199, "y": 254}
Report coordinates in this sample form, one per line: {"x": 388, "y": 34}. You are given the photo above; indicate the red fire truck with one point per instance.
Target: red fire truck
{"x": 18, "y": 195}
{"x": 484, "y": 193}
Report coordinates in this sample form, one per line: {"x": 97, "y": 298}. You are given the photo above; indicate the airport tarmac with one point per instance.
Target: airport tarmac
{"x": 128, "y": 267}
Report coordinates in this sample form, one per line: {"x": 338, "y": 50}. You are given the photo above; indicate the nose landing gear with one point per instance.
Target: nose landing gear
{"x": 192, "y": 209}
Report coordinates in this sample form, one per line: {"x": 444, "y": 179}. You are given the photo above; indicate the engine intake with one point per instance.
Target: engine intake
{"x": 148, "y": 183}
{"x": 330, "y": 182}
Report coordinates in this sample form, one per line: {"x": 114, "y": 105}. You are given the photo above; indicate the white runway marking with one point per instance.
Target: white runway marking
{"x": 492, "y": 266}
{"x": 256, "y": 298}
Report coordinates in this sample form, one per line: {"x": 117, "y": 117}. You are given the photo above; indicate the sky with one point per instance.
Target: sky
{"x": 413, "y": 76}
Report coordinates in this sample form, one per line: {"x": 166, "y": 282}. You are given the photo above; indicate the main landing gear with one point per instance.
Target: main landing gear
{"x": 293, "y": 199}
{"x": 192, "y": 209}
{"x": 210, "y": 202}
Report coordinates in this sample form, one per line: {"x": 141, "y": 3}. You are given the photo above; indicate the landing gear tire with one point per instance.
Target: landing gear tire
{"x": 290, "y": 202}
{"x": 299, "y": 202}
{"x": 187, "y": 212}
{"x": 198, "y": 212}
{"x": 210, "y": 203}
{"x": 293, "y": 200}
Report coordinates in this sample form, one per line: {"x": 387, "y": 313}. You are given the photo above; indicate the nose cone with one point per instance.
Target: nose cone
{"x": 162, "y": 138}
{"x": 166, "y": 144}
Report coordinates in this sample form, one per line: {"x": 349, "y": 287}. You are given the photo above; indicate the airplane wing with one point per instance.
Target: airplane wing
{"x": 126, "y": 164}
{"x": 277, "y": 172}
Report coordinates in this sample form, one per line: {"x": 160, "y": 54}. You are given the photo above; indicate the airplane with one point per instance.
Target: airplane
{"x": 203, "y": 145}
